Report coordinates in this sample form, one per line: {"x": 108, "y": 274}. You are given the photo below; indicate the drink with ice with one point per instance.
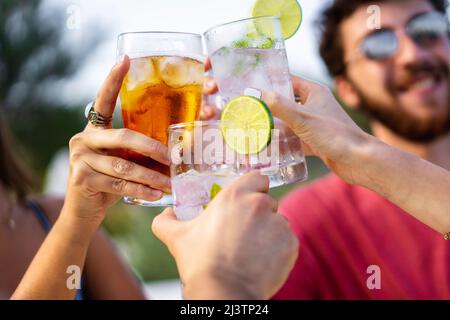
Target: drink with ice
{"x": 201, "y": 165}
{"x": 159, "y": 91}
{"x": 250, "y": 53}
{"x": 193, "y": 191}
{"x": 163, "y": 86}
{"x": 236, "y": 69}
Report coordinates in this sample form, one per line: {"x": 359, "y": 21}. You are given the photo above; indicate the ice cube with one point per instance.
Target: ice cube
{"x": 142, "y": 73}
{"x": 178, "y": 72}
{"x": 191, "y": 189}
{"x": 188, "y": 213}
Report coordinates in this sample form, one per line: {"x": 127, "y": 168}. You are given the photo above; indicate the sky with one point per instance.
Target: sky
{"x": 117, "y": 16}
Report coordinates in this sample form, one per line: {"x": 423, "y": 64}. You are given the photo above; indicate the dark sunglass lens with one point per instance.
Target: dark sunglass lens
{"x": 380, "y": 45}
{"x": 428, "y": 27}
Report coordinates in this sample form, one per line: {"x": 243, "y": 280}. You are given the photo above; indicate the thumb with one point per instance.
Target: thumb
{"x": 165, "y": 226}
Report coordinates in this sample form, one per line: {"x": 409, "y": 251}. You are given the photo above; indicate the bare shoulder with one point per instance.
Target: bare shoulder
{"x": 51, "y": 205}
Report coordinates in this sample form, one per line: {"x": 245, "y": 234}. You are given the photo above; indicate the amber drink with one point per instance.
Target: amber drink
{"x": 162, "y": 87}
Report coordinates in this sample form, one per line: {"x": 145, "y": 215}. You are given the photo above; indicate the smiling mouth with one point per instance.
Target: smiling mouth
{"x": 424, "y": 83}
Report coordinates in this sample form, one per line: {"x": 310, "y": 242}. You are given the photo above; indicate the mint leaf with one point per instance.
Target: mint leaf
{"x": 241, "y": 44}
{"x": 267, "y": 44}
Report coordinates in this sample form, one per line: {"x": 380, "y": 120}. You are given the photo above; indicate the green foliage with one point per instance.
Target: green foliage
{"x": 131, "y": 228}
{"x": 32, "y": 55}
{"x": 43, "y": 131}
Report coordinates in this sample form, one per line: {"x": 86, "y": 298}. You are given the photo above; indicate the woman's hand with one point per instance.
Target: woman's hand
{"x": 324, "y": 127}
{"x": 98, "y": 175}
{"x": 238, "y": 248}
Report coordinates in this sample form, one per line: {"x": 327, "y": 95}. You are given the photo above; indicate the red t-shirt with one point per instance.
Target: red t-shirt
{"x": 344, "y": 229}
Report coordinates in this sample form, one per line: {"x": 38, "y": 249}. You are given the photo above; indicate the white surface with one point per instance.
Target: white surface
{"x": 196, "y": 16}
{"x": 163, "y": 290}
{"x": 57, "y": 174}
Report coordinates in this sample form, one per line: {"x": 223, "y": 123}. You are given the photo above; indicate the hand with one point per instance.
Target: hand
{"x": 239, "y": 247}
{"x": 98, "y": 177}
{"x": 209, "y": 111}
{"x": 324, "y": 127}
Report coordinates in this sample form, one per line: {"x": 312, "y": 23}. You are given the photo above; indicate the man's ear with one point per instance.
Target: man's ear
{"x": 346, "y": 92}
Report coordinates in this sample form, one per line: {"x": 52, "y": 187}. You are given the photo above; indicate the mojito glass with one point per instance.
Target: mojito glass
{"x": 162, "y": 87}
{"x": 202, "y": 163}
{"x": 250, "y": 54}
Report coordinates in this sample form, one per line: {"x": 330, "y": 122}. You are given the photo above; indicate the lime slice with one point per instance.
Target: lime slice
{"x": 289, "y": 12}
{"x": 246, "y": 124}
{"x": 215, "y": 189}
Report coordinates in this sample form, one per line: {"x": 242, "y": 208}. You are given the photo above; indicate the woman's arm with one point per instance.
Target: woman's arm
{"x": 66, "y": 245}
{"x": 105, "y": 273}
{"x": 417, "y": 186}
{"x": 97, "y": 179}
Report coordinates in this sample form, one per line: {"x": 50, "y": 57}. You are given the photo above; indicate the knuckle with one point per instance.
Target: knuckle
{"x": 75, "y": 156}
{"x": 123, "y": 135}
{"x": 122, "y": 166}
{"x": 140, "y": 192}
{"x": 75, "y": 141}
{"x": 119, "y": 185}
{"x": 155, "y": 179}
{"x": 150, "y": 176}
{"x": 80, "y": 176}
{"x": 232, "y": 193}
{"x": 155, "y": 146}
{"x": 260, "y": 202}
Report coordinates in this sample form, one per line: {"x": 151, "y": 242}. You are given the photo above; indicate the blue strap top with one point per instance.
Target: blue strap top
{"x": 47, "y": 225}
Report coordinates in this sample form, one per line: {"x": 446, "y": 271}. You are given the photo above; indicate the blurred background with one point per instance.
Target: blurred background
{"x": 54, "y": 56}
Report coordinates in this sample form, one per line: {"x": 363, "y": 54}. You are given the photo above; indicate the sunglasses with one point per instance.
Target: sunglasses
{"x": 425, "y": 29}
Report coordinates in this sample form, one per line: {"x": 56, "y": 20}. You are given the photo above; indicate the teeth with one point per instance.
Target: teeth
{"x": 423, "y": 84}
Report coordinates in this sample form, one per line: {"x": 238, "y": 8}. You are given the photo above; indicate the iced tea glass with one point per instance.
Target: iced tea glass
{"x": 250, "y": 54}
{"x": 162, "y": 87}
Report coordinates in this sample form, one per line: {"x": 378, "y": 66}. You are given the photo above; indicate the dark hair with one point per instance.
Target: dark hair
{"x": 14, "y": 175}
{"x": 331, "y": 49}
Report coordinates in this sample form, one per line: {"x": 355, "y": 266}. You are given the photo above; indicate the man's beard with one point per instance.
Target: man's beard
{"x": 404, "y": 124}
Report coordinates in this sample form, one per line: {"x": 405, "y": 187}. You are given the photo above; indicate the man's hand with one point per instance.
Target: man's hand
{"x": 322, "y": 124}
{"x": 238, "y": 248}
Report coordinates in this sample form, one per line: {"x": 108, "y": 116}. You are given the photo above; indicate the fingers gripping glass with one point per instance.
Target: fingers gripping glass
{"x": 425, "y": 29}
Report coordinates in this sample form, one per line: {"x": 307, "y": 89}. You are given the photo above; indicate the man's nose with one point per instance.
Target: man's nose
{"x": 410, "y": 51}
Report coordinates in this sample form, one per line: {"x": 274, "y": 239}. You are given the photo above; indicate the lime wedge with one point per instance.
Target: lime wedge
{"x": 215, "y": 189}
{"x": 246, "y": 124}
{"x": 289, "y": 12}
